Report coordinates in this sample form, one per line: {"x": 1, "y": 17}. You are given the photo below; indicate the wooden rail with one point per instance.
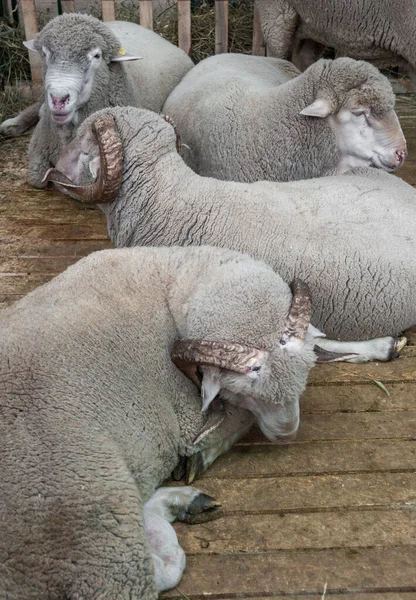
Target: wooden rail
{"x": 109, "y": 13}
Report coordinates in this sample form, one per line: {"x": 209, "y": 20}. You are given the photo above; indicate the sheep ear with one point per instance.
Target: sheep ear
{"x": 210, "y": 386}
{"x": 30, "y": 45}
{"x": 320, "y": 108}
{"x": 122, "y": 57}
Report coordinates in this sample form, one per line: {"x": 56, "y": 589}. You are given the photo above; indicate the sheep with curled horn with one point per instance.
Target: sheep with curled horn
{"x": 249, "y": 118}
{"x": 88, "y": 65}
{"x": 95, "y": 413}
{"x": 351, "y": 237}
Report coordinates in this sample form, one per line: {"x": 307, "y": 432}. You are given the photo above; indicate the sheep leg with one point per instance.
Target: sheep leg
{"x": 278, "y": 23}
{"x": 236, "y": 423}
{"x": 24, "y": 121}
{"x": 165, "y": 506}
{"x": 378, "y": 349}
{"x": 184, "y": 503}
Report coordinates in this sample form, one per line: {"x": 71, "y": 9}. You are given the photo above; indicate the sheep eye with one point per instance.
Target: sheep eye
{"x": 359, "y": 113}
{"x": 255, "y": 368}
{"x": 97, "y": 56}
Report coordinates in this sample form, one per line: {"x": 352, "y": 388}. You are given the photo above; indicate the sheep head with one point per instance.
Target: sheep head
{"x": 99, "y": 152}
{"x": 76, "y": 51}
{"x": 266, "y": 381}
{"x": 358, "y": 103}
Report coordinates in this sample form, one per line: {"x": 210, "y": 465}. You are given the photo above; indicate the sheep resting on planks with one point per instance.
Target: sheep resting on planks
{"x": 95, "y": 414}
{"x": 350, "y": 237}
{"x": 88, "y": 65}
{"x": 249, "y": 118}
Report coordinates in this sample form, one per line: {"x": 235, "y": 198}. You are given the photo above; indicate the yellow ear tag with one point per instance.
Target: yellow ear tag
{"x": 122, "y": 52}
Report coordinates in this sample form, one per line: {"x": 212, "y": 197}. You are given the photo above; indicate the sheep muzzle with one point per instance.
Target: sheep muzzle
{"x": 108, "y": 182}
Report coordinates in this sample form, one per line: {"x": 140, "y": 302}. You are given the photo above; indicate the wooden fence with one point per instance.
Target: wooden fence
{"x": 146, "y": 19}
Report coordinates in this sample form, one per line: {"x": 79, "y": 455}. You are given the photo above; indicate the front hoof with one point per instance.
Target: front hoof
{"x": 396, "y": 347}
{"x": 201, "y": 509}
{"x": 195, "y": 466}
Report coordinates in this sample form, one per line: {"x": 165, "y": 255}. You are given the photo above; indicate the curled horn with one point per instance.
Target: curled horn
{"x": 188, "y": 354}
{"x": 169, "y": 120}
{"x": 108, "y": 182}
{"x": 299, "y": 316}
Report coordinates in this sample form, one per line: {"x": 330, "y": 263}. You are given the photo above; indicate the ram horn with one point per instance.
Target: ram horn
{"x": 169, "y": 120}
{"x": 188, "y": 354}
{"x": 108, "y": 182}
{"x": 299, "y": 316}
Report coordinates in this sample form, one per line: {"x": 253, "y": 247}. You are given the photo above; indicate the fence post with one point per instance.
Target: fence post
{"x": 146, "y": 13}
{"x": 30, "y": 23}
{"x": 68, "y": 5}
{"x": 109, "y": 10}
{"x": 259, "y": 48}
{"x": 184, "y": 25}
{"x": 221, "y": 26}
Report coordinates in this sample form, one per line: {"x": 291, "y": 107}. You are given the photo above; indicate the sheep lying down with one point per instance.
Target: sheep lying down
{"x": 88, "y": 65}
{"x": 249, "y": 118}
{"x": 351, "y": 237}
{"x": 99, "y": 406}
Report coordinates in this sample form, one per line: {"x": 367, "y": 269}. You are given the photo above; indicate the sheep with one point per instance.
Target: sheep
{"x": 350, "y": 237}
{"x": 240, "y": 124}
{"x": 382, "y": 32}
{"x": 86, "y": 67}
{"x": 99, "y": 405}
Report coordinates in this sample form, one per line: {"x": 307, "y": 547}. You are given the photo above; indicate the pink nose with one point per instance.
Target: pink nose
{"x": 60, "y": 103}
{"x": 287, "y": 438}
{"x": 401, "y": 155}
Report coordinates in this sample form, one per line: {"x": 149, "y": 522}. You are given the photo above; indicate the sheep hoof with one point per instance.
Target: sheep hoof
{"x": 195, "y": 466}
{"x": 201, "y": 509}
{"x": 397, "y": 346}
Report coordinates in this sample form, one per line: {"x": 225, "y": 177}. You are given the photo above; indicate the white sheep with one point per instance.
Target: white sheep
{"x": 351, "y": 237}
{"x": 249, "y": 118}
{"x": 88, "y": 65}
{"x": 382, "y": 32}
{"x": 94, "y": 415}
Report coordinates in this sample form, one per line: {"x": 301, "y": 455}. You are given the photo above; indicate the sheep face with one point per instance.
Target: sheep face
{"x": 357, "y": 102}
{"x": 270, "y": 390}
{"x": 265, "y": 365}
{"x": 76, "y": 52}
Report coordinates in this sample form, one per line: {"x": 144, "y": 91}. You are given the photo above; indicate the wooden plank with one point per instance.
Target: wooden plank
{"x": 31, "y": 27}
{"x": 314, "y": 493}
{"x": 58, "y": 231}
{"x": 372, "y": 570}
{"x": 109, "y": 10}
{"x": 68, "y": 5}
{"x": 358, "y": 398}
{"x": 247, "y": 461}
{"x": 349, "y": 426}
{"x": 38, "y": 264}
{"x": 265, "y": 533}
{"x": 350, "y": 595}
{"x": 51, "y": 217}
{"x": 146, "y": 13}
{"x": 259, "y": 47}
{"x": 23, "y": 284}
{"x": 221, "y": 26}
{"x": 24, "y": 248}
{"x": 184, "y": 25}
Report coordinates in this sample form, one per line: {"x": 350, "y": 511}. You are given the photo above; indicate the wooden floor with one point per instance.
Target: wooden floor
{"x": 329, "y": 516}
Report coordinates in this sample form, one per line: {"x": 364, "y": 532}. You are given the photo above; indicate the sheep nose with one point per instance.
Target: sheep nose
{"x": 401, "y": 155}
{"x": 60, "y": 103}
